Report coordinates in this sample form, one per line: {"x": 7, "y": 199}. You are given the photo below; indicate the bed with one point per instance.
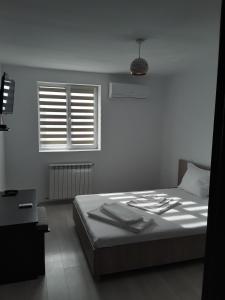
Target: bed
{"x": 177, "y": 235}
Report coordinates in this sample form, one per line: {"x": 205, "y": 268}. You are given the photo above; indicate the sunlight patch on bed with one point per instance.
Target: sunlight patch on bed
{"x": 205, "y": 214}
{"x": 141, "y": 199}
{"x": 178, "y": 218}
{"x": 111, "y": 194}
{"x": 194, "y": 224}
{"x": 188, "y": 202}
{"x": 143, "y": 192}
{"x": 122, "y": 197}
{"x": 196, "y": 208}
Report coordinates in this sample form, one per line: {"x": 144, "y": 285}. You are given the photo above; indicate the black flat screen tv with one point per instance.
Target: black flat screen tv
{"x": 7, "y": 95}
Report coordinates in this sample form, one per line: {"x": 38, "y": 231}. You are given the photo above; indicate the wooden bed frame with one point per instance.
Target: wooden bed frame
{"x": 107, "y": 260}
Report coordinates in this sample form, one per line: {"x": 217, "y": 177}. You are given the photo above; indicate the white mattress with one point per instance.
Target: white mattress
{"x": 190, "y": 218}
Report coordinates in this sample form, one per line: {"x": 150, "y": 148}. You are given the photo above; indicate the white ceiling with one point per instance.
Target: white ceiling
{"x": 98, "y": 35}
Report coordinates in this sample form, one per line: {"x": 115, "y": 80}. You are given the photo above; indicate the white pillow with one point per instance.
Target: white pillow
{"x": 196, "y": 181}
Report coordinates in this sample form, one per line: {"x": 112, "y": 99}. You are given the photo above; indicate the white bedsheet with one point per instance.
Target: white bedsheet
{"x": 190, "y": 218}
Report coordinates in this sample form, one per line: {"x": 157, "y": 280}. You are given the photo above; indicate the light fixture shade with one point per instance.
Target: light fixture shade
{"x": 139, "y": 67}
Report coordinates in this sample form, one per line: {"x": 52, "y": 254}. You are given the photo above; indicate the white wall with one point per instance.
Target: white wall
{"x": 2, "y": 155}
{"x": 130, "y": 156}
{"x": 188, "y": 108}
{"x": 188, "y": 118}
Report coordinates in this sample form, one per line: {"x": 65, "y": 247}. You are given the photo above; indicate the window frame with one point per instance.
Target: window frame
{"x": 97, "y": 118}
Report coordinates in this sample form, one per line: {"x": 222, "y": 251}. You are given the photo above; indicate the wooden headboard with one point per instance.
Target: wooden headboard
{"x": 182, "y": 168}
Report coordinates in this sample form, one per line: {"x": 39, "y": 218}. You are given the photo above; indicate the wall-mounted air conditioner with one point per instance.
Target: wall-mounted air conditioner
{"x": 127, "y": 91}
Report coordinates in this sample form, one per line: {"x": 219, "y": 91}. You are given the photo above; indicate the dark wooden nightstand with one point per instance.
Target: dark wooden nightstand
{"x": 21, "y": 238}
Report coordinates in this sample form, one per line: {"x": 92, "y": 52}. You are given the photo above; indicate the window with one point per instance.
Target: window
{"x": 69, "y": 117}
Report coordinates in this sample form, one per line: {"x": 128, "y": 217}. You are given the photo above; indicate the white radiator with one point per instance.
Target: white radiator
{"x": 69, "y": 179}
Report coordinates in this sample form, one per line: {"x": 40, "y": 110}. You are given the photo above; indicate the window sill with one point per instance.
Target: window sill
{"x": 68, "y": 150}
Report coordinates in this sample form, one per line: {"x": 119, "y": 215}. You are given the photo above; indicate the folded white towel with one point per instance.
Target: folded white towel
{"x": 154, "y": 207}
{"x": 137, "y": 227}
{"x": 121, "y": 212}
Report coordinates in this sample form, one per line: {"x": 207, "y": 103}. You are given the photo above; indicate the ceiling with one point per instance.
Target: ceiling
{"x": 99, "y": 35}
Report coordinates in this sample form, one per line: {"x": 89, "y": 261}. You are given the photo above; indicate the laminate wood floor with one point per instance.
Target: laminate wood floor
{"x": 68, "y": 277}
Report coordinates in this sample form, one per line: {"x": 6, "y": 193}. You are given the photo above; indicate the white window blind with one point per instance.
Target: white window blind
{"x": 69, "y": 117}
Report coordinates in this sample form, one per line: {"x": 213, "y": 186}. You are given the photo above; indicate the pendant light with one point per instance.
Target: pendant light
{"x": 139, "y": 66}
